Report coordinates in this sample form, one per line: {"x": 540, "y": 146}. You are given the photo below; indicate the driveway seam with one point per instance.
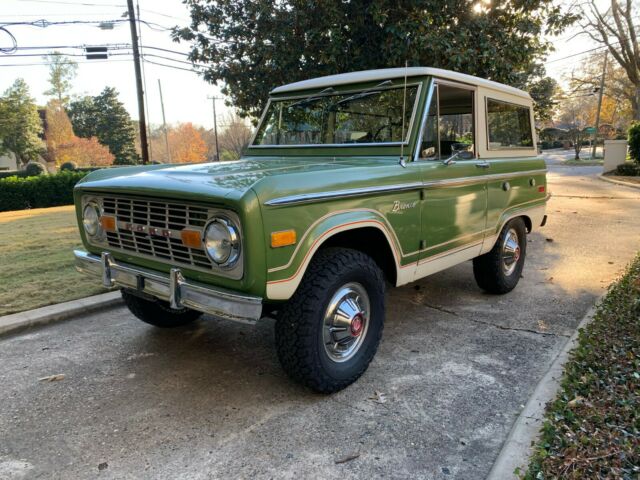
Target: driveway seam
{"x": 501, "y": 327}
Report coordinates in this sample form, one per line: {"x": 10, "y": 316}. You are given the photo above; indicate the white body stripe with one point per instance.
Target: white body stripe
{"x": 284, "y": 289}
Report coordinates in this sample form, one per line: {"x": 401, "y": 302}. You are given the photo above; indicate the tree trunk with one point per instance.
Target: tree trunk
{"x": 636, "y": 104}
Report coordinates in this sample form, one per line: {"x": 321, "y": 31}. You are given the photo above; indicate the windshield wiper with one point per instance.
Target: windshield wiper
{"x": 365, "y": 93}
{"x": 308, "y": 101}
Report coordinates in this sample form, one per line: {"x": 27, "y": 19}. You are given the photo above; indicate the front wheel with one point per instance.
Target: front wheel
{"x": 499, "y": 270}
{"x": 329, "y": 331}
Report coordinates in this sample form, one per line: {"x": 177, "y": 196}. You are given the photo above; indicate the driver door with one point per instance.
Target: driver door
{"x": 455, "y": 194}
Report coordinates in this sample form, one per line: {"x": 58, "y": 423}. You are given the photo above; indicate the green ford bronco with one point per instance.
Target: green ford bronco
{"x": 351, "y": 182}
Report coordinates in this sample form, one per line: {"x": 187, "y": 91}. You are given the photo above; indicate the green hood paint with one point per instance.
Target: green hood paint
{"x": 228, "y": 182}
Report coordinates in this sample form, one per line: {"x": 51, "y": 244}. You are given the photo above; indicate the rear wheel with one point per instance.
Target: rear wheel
{"x": 499, "y": 270}
{"x": 157, "y": 312}
{"x": 329, "y": 331}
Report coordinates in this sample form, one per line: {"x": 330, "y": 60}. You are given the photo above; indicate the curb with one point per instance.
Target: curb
{"x": 618, "y": 182}
{"x": 517, "y": 448}
{"x": 58, "y": 312}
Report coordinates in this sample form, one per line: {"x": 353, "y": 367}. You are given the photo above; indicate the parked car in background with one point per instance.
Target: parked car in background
{"x": 351, "y": 182}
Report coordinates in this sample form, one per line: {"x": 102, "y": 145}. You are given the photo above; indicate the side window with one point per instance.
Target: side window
{"x": 449, "y": 127}
{"x": 508, "y": 125}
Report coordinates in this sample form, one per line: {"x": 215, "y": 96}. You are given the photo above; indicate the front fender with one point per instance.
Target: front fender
{"x": 283, "y": 280}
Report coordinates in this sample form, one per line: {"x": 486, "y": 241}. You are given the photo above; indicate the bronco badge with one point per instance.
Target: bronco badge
{"x": 398, "y": 206}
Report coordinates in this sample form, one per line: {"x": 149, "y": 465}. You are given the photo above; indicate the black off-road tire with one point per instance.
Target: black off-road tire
{"x": 488, "y": 268}
{"x": 157, "y": 312}
{"x": 300, "y": 323}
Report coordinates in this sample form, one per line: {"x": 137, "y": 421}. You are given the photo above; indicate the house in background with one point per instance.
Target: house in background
{"x": 8, "y": 161}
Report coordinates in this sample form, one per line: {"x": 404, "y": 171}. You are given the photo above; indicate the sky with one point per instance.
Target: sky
{"x": 184, "y": 92}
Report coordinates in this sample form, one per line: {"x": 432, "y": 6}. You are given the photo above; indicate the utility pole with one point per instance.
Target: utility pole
{"x": 600, "y": 93}
{"x": 215, "y": 125}
{"x": 164, "y": 123}
{"x": 144, "y": 145}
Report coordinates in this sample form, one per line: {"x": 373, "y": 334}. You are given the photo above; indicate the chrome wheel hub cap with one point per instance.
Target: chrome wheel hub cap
{"x": 346, "y": 322}
{"x": 510, "y": 252}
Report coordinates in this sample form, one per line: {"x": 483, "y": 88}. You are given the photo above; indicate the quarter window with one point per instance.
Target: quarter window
{"x": 449, "y": 129}
{"x": 508, "y": 125}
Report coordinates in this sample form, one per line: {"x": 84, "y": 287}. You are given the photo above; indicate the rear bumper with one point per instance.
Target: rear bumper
{"x": 173, "y": 288}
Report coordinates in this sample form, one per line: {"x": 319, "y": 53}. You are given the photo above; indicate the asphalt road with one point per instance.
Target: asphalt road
{"x": 210, "y": 401}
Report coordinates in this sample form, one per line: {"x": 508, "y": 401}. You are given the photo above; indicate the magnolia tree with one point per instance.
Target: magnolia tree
{"x": 252, "y": 46}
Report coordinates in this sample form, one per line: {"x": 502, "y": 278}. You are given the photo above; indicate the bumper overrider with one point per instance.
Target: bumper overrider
{"x": 173, "y": 288}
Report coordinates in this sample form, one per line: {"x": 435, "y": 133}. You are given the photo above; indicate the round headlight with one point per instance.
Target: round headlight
{"x": 91, "y": 219}
{"x": 222, "y": 242}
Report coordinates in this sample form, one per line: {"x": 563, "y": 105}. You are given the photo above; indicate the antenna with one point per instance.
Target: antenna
{"x": 404, "y": 109}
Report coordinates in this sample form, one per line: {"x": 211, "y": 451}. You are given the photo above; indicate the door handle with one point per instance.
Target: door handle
{"x": 483, "y": 165}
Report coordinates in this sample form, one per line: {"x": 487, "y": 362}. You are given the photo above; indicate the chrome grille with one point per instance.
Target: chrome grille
{"x": 173, "y": 217}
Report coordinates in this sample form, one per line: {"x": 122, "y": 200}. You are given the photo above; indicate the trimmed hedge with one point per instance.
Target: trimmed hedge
{"x": 628, "y": 169}
{"x": 13, "y": 173}
{"x": 38, "y": 192}
{"x": 634, "y": 142}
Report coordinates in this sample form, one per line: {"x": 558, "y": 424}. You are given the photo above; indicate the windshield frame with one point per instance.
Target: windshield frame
{"x": 408, "y": 127}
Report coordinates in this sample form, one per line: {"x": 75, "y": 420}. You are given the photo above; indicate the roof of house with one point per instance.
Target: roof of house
{"x": 388, "y": 73}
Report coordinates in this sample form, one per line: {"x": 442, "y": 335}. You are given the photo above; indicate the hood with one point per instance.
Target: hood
{"x": 219, "y": 180}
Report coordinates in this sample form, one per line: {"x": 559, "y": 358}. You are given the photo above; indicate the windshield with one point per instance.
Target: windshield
{"x": 368, "y": 116}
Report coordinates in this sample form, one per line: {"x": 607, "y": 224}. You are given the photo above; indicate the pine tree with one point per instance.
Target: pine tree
{"x": 62, "y": 71}
{"x": 20, "y": 123}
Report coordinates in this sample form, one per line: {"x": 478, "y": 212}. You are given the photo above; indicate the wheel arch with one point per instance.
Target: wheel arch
{"x": 363, "y": 230}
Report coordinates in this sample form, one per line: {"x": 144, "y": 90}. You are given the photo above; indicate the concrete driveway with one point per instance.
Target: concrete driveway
{"x": 455, "y": 367}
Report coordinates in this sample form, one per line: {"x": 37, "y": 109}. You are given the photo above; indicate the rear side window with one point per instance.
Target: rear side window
{"x": 508, "y": 125}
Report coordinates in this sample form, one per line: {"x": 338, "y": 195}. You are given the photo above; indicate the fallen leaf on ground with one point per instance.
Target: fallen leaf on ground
{"x": 378, "y": 397}
{"x": 348, "y": 458}
{"x": 576, "y": 401}
{"x": 140, "y": 355}
{"x": 103, "y": 466}
{"x": 53, "y": 378}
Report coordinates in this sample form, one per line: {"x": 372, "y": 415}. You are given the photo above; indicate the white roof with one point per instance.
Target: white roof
{"x": 387, "y": 73}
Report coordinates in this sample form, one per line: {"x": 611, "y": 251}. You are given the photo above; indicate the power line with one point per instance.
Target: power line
{"x": 171, "y": 66}
{"x": 14, "y": 42}
{"x": 41, "y": 64}
{"x": 118, "y": 5}
{"x": 77, "y": 3}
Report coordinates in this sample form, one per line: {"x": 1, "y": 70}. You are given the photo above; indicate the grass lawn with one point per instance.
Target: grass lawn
{"x": 36, "y": 259}
{"x": 592, "y": 429}
{"x": 584, "y": 163}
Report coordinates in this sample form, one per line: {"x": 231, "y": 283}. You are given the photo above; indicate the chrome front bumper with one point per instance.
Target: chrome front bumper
{"x": 173, "y": 288}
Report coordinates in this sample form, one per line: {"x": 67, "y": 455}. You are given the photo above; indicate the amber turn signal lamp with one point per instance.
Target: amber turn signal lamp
{"x": 108, "y": 223}
{"x": 191, "y": 238}
{"x": 284, "y": 238}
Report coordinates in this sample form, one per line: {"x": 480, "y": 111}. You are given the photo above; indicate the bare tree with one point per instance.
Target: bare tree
{"x": 235, "y": 138}
{"x": 615, "y": 29}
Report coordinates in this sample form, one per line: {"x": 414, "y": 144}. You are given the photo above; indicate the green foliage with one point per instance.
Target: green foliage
{"x": 634, "y": 142}
{"x": 592, "y": 429}
{"x": 38, "y": 192}
{"x": 69, "y": 166}
{"x": 33, "y": 169}
{"x": 62, "y": 71}
{"x": 13, "y": 173}
{"x": 628, "y": 169}
{"x": 253, "y": 46}
{"x": 20, "y": 123}
{"x": 105, "y": 117}
{"x": 542, "y": 90}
